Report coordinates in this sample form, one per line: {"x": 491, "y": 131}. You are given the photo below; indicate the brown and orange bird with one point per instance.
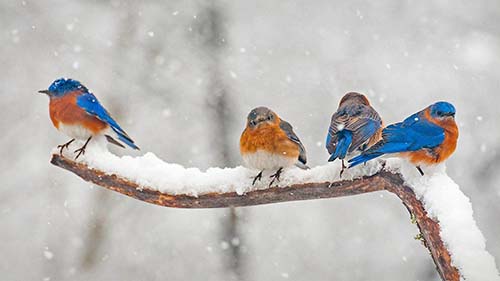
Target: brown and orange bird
{"x": 269, "y": 143}
{"x": 354, "y": 127}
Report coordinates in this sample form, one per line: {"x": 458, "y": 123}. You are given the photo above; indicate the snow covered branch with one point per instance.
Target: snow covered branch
{"x": 381, "y": 180}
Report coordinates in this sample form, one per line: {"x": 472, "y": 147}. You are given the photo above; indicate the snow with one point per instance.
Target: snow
{"x": 441, "y": 196}
{"x": 48, "y": 254}
{"x": 149, "y": 171}
{"x": 445, "y": 202}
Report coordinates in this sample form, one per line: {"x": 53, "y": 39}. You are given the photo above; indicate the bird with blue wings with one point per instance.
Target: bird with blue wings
{"x": 427, "y": 137}
{"x": 76, "y": 112}
{"x": 269, "y": 143}
{"x": 353, "y": 127}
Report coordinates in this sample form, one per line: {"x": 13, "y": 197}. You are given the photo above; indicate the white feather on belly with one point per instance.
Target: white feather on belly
{"x": 75, "y": 131}
{"x": 263, "y": 160}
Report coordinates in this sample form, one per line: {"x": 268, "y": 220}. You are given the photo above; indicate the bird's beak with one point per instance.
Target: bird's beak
{"x": 44, "y": 92}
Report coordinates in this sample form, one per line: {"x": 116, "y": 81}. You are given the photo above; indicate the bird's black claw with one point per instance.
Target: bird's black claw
{"x": 420, "y": 170}
{"x": 343, "y": 168}
{"x": 63, "y": 146}
{"x": 257, "y": 177}
{"x": 81, "y": 150}
{"x": 275, "y": 176}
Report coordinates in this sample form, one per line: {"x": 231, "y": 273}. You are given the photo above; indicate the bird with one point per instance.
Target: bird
{"x": 76, "y": 112}
{"x": 355, "y": 126}
{"x": 269, "y": 143}
{"x": 427, "y": 137}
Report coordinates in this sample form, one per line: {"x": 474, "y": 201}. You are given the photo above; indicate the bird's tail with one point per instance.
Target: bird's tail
{"x": 113, "y": 141}
{"x": 363, "y": 158}
{"x": 344, "y": 140}
{"x": 302, "y": 165}
{"x": 122, "y": 136}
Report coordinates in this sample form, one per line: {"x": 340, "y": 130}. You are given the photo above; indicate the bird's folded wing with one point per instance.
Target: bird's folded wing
{"x": 91, "y": 105}
{"x": 363, "y": 121}
{"x": 408, "y": 136}
{"x": 288, "y": 129}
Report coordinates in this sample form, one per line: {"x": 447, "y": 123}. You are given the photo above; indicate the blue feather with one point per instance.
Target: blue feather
{"x": 342, "y": 146}
{"x": 364, "y": 133}
{"x": 413, "y": 134}
{"x": 91, "y": 105}
{"x": 328, "y": 140}
{"x": 363, "y": 159}
{"x": 351, "y": 126}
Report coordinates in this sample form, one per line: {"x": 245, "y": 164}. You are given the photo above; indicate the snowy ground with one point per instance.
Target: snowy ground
{"x": 442, "y": 197}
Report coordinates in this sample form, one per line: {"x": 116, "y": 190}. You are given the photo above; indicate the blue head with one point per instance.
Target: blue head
{"x": 442, "y": 110}
{"x": 62, "y": 86}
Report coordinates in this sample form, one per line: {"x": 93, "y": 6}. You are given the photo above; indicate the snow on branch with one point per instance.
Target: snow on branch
{"x": 441, "y": 211}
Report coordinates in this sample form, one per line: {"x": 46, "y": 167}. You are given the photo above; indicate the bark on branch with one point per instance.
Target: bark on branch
{"x": 383, "y": 180}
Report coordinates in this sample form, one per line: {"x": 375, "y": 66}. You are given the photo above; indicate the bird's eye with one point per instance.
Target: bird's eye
{"x": 439, "y": 113}
{"x": 270, "y": 117}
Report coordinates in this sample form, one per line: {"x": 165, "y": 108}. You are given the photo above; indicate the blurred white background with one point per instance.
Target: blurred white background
{"x": 181, "y": 76}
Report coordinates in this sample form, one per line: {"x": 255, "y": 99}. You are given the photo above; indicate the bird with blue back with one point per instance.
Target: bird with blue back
{"x": 355, "y": 126}
{"x": 427, "y": 137}
{"x": 269, "y": 143}
{"x": 76, "y": 112}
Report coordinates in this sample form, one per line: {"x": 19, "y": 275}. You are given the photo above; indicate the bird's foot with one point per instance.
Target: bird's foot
{"x": 275, "y": 176}
{"x": 343, "y": 168}
{"x": 257, "y": 177}
{"x": 63, "y": 146}
{"x": 383, "y": 163}
{"x": 420, "y": 170}
{"x": 81, "y": 150}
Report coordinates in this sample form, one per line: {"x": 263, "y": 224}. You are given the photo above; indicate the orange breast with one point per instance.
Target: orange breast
{"x": 64, "y": 110}
{"x": 443, "y": 151}
{"x": 270, "y": 138}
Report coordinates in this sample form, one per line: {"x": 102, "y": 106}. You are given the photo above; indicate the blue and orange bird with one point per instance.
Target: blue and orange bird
{"x": 427, "y": 137}
{"x": 269, "y": 143}
{"x": 354, "y": 127}
{"x": 77, "y": 113}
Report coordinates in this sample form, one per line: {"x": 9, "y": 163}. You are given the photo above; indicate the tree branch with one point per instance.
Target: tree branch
{"x": 383, "y": 180}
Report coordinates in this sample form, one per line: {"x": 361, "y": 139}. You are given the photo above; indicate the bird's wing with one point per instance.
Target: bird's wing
{"x": 91, "y": 105}
{"x": 410, "y": 135}
{"x": 363, "y": 126}
{"x": 337, "y": 124}
{"x": 363, "y": 121}
{"x": 288, "y": 129}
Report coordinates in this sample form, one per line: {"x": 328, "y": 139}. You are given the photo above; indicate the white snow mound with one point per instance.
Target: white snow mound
{"x": 446, "y": 203}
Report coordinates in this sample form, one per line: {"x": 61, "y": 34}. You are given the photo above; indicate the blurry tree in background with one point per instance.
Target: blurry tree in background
{"x": 210, "y": 25}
